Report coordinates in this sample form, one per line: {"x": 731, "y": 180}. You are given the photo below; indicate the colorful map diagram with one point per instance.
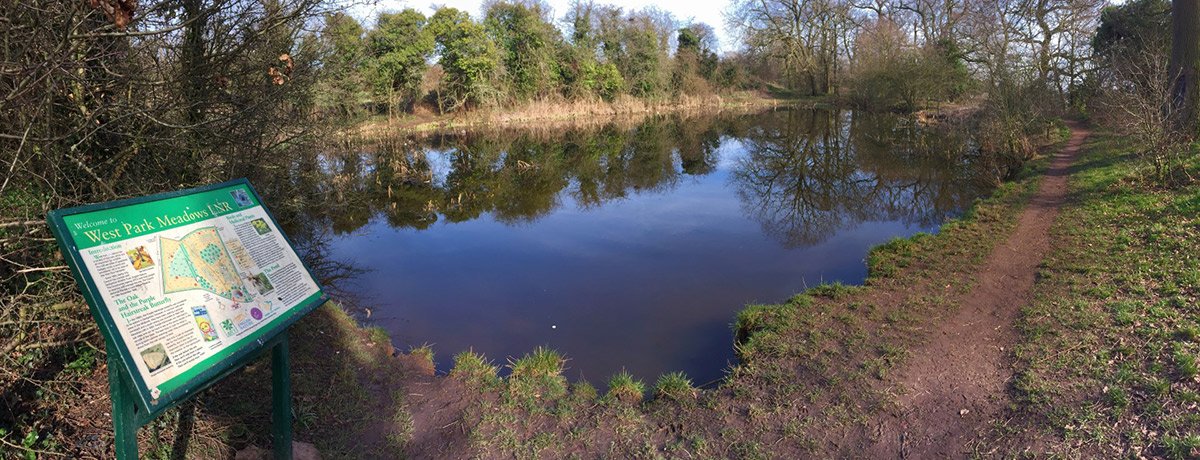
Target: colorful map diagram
{"x": 199, "y": 260}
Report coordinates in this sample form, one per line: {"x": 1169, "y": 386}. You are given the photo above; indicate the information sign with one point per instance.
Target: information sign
{"x": 185, "y": 286}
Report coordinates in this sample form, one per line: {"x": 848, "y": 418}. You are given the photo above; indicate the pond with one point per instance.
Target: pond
{"x": 629, "y": 247}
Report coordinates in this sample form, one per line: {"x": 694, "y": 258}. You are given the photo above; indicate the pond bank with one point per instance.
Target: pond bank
{"x": 547, "y": 114}
{"x": 718, "y": 211}
{"x": 813, "y": 370}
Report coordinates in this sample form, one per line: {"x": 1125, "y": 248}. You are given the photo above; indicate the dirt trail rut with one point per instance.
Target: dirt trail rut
{"x": 955, "y": 385}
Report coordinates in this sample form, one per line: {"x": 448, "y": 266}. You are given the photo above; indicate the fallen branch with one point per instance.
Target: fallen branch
{"x": 22, "y": 223}
{"x": 56, "y": 343}
{"x": 12, "y": 344}
{"x": 26, "y": 449}
{"x": 41, "y": 269}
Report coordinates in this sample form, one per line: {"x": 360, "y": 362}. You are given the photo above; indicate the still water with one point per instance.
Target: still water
{"x": 629, "y": 247}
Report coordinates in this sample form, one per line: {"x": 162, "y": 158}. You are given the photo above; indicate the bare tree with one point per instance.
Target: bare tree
{"x": 805, "y": 37}
{"x": 1133, "y": 99}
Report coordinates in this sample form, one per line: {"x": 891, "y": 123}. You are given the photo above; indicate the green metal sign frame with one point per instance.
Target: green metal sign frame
{"x": 133, "y": 403}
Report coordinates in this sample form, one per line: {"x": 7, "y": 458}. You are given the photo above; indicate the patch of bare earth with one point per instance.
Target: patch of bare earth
{"x": 952, "y": 387}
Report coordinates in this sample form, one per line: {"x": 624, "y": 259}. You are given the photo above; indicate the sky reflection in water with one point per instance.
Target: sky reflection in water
{"x": 615, "y": 255}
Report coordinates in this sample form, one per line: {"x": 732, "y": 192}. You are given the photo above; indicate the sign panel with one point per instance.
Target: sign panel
{"x": 184, "y": 284}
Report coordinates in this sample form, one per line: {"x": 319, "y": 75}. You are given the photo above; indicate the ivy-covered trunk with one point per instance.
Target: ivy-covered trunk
{"x": 1185, "y": 66}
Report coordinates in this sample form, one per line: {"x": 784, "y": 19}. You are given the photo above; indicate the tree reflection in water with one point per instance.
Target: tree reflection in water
{"x": 802, "y": 174}
{"x": 808, "y": 174}
{"x": 659, "y": 230}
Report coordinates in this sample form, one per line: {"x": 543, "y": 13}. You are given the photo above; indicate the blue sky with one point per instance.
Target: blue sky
{"x": 707, "y": 11}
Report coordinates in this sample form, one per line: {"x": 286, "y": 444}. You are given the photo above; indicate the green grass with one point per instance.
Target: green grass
{"x": 675, "y": 386}
{"x": 624, "y": 389}
{"x": 1185, "y": 363}
{"x": 474, "y": 369}
{"x": 755, "y": 319}
{"x": 1107, "y": 363}
{"x": 584, "y": 391}
{"x": 536, "y": 378}
{"x": 541, "y": 362}
{"x": 378, "y": 335}
{"x": 424, "y": 353}
{"x": 887, "y": 259}
{"x": 834, "y": 291}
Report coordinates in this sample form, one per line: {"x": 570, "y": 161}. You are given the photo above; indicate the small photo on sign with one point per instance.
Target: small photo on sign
{"x": 240, "y": 197}
{"x": 261, "y": 282}
{"x": 139, "y": 258}
{"x": 204, "y": 322}
{"x": 155, "y": 358}
{"x": 261, "y": 226}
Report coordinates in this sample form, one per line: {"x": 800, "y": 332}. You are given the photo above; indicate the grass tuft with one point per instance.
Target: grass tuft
{"x": 1185, "y": 364}
{"x": 625, "y": 389}
{"x": 537, "y": 377}
{"x": 888, "y": 259}
{"x": 378, "y": 335}
{"x": 1183, "y": 447}
{"x": 584, "y": 391}
{"x": 675, "y": 386}
{"x": 423, "y": 352}
{"x": 473, "y": 368}
{"x": 835, "y": 290}
{"x": 1190, "y": 333}
{"x": 542, "y": 362}
{"x": 758, "y": 318}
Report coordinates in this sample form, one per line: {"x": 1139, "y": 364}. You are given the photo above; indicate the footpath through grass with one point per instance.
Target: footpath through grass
{"x": 813, "y": 369}
{"x": 1107, "y": 366}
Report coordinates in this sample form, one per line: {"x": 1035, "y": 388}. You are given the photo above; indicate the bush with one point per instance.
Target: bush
{"x": 891, "y": 73}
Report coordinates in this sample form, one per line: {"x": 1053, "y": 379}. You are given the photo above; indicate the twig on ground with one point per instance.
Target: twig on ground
{"x": 26, "y": 449}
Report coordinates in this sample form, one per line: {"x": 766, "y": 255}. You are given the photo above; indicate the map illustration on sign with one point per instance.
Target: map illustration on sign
{"x": 199, "y": 260}
{"x": 185, "y": 284}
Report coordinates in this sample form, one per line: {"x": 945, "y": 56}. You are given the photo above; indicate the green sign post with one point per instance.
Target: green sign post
{"x": 186, "y": 287}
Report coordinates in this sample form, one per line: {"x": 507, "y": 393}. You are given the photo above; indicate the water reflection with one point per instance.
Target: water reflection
{"x": 809, "y": 174}
{"x": 625, "y": 246}
{"x": 802, "y": 174}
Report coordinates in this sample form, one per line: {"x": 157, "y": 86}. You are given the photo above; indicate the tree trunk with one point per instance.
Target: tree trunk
{"x": 194, "y": 56}
{"x": 1185, "y": 65}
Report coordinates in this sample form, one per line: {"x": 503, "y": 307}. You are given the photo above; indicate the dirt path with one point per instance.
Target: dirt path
{"x": 954, "y": 386}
